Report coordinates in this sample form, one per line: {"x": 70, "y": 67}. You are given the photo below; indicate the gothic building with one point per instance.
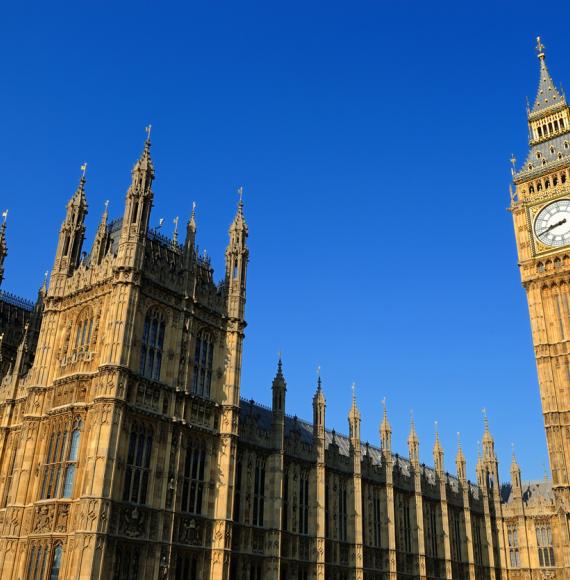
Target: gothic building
{"x": 126, "y": 451}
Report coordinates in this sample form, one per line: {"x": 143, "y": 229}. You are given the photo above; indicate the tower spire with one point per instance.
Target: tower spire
{"x": 354, "y": 419}
{"x": 237, "y": 256}
{"x": 72, "y": 231}
{"x": 3, "y": 245}
{"x": 385, "y": 430}
{"x": 547, "y": 94}
{"x": 437, "y": 451}
{"x": 413, "y": 442}
{"x": 460, "y": 462}
{"x": 138, "y": 204}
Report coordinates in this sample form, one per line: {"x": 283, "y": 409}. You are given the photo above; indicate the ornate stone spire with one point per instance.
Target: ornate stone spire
{"x": 385, "y": 430}
{"x": 3, "y": 245}
{"x": 547, "y": 95}
{"x": 354, "y": 418}
{"x": 237, "y": 256}
{"x": 488, "y": 442}
{"x": 460, "y": 462}
{"x": 279, "y": 388}
{"x": 100, "y": 242}
{"x": 413, "y": 442}
{"x": 437, "y": 451}
{"x": 72, "y": 232}
{"x": 515, "y": 472}
{"x": 319, "y": 407}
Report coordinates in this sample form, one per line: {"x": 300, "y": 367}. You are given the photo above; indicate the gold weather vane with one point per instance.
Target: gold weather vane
{"x": 84, "y": 169}
{"x": 539, "y": 47}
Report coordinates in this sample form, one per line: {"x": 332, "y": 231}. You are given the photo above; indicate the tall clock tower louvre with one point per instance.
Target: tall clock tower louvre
{"x": 128, "y": 452}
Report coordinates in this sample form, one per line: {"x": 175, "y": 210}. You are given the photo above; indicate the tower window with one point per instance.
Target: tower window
{"x": 545, "y": 547}
{"x": 83, "y": 331}
{"x": 513, "y": 539}
{"x": 304, "y": 503}
{"x": 259, "y": 492}
{"x": 203, "y": 362}
{"x": 152, "y": 344}
{"x": 377, "y": 509}
{"x": 342, "y": 512}
{"x": 539, "y": 130}
{"x": 562, "y": 123}
{"x": 556, "y": 125}
{"x": 551, "y": 149}
{"x": 127, "y": 557}
{"x": 138, "y": 465}
{"x": 56, "y": 563}
{"x": 61, "y": 460}
{"x": 193, "y": 486}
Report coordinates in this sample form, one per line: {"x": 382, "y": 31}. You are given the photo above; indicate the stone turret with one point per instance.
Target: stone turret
{"x": 71, "y": 237}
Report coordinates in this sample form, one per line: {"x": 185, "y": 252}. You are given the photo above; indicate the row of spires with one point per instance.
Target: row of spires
{"x": 487, "y": 462}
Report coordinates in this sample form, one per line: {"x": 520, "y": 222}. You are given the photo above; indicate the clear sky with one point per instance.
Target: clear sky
{"x": 372, "y": 139}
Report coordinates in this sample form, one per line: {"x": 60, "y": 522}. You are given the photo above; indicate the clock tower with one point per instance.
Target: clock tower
{"x": 540, "y": 205}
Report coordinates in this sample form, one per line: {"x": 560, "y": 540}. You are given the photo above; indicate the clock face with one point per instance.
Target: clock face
{"x": 552, "y": 224}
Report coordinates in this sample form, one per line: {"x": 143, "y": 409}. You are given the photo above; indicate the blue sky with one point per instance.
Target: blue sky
{"x": 373, "y": 143}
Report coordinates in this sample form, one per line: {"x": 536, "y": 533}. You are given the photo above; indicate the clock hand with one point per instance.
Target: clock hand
{"x": 550, "y": 228}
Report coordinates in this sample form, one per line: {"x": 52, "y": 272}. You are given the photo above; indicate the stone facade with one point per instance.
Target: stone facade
{"x": 127, "y": 452}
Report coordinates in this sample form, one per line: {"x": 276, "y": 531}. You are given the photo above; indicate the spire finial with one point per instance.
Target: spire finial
{"x": 354, "y": 392}
{"x": 485, "y": 419}
{"x": 240, "y": 193}
{"x": 4, "y": 217}
{"x": 193, "y": 215}
{"x": 384, "y": 405}
{"x": 83, "y": 170}
{"x": 436, "y": 426}
{"x": 458, "y": 440}
{"x": 44, "y": 285}
{"x": 175, "y": 234}
{"x": 540, "y": 48}
{"x": 319, "y": 378}
{"x": 148, "y": 129}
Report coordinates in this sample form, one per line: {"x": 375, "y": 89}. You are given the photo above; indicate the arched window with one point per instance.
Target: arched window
{"x": 56, "y": 563}
{"x": 203, "y": 361}
{"x": 71, "y": 464}
{"x": 138, "y": 465}
{"x": 531, "y": 189}
{"x": 83, "y": 331}
{"x": 152, "y": 344}
{"x": 545, "y": 547}
{"x": 193, "y": 485}
{"x": 61, "y": 459}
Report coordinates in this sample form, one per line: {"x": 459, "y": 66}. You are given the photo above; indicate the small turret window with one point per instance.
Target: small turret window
{"x": 152, "y": 344}
{"x": 203, "y": 362}
{"x": 552, "y": 150}
{"x": 566, "y": 145}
